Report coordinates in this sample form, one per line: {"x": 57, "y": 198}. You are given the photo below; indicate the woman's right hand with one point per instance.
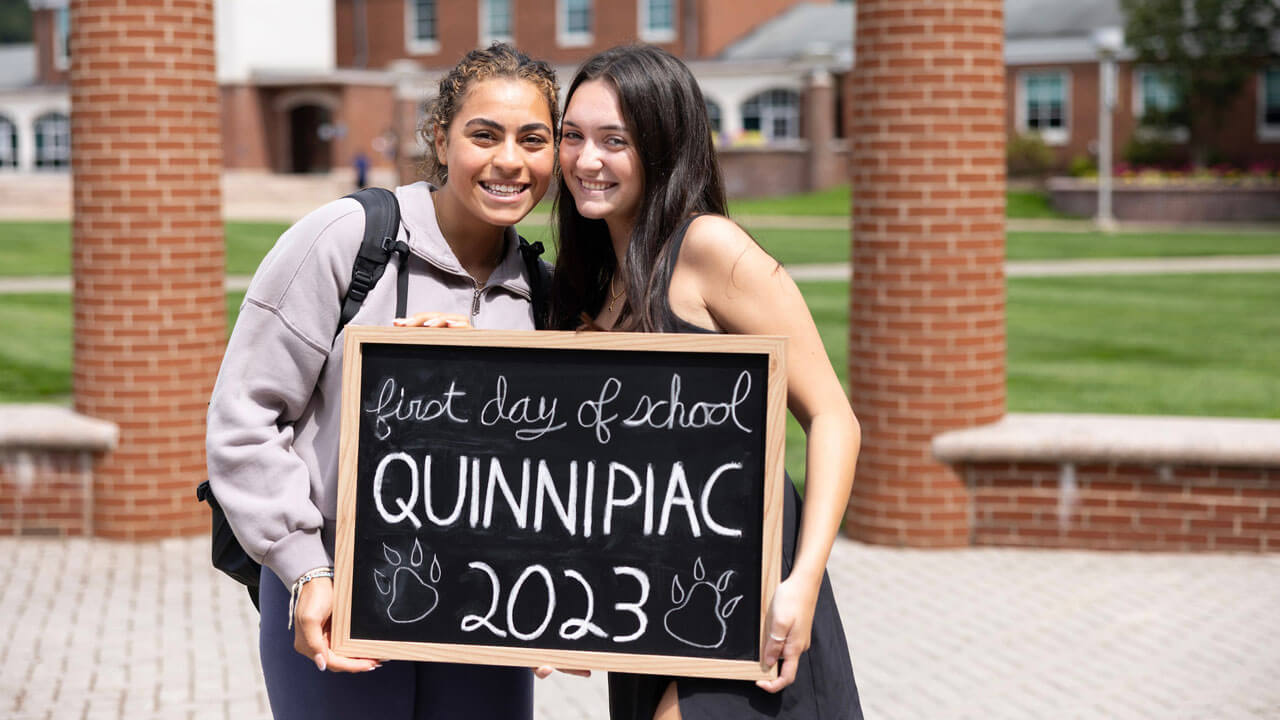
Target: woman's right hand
{"x": 434, "y": 319}
{"x": 312, "y": 626}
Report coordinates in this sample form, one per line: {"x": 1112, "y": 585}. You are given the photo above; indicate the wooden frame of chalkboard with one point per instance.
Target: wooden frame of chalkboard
{"x": 610, "y": 501}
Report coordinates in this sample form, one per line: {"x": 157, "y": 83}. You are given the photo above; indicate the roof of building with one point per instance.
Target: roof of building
{"x": 1056, "y": 18}
{"x": 1035, "y": 31}
{"x": 804, "y": 29}
{"x": 17, "y": 65}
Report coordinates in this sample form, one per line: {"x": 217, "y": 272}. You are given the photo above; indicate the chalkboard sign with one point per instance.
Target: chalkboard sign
{"x": 609, "y": 501}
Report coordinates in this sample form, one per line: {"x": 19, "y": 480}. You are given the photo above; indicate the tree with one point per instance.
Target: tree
{"x": 1211, "y": 47}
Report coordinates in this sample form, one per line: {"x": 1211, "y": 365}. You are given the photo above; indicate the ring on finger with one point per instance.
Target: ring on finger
{"x": 775, "y": 638}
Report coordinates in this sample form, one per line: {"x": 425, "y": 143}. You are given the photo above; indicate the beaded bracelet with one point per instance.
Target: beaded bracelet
{"x": 320, "y": 572}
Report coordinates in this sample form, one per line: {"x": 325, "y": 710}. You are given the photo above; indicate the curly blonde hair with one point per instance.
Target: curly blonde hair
{"x": 499, "y": 60}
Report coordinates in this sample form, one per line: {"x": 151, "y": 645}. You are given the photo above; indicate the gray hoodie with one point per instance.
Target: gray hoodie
{"x": 273, "y": 419}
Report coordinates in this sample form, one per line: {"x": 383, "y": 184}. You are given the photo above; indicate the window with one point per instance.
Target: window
{"x": 422, "y": 24}
{"x": 53, "y": 140}
{"x": 774, "y": 114}
{"x": 1157, "y": 97}
{"x": 573, "y": 22}
{"x": 713, "y": 118}
{"x": 62, "y": 39}
{"x": 1157, "y": 104}
{"x": 1043, "y": 108}
{"x": 495, "y": 21}
{"x": 657, "y": 20}
{"x": 8, "y": 143}
{"x": 1269, "y": 104}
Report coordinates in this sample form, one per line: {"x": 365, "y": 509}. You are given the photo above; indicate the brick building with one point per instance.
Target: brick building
{"x": 307, "y": 86}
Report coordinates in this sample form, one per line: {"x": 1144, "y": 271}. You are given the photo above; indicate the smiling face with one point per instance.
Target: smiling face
{"x": 499, "y": 151}
{"x": 598, "y": 157}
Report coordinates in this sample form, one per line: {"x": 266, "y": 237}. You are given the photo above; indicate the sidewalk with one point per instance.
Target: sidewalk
{"x": 840, "y": 271}
{"x": 101, "y": 630}
{"x": 272, "y": 197}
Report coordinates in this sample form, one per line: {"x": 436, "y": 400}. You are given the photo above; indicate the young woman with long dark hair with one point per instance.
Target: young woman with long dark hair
{"x": 645, "y": 245}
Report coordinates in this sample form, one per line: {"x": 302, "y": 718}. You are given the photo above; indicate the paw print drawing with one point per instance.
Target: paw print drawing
{"x": 698, "y": 619}
{"x": 410, "y": 597}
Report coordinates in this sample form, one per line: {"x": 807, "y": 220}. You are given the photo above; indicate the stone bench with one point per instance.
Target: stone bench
{"x": 47, "y": 459}
{"x": 1120, "y": 482}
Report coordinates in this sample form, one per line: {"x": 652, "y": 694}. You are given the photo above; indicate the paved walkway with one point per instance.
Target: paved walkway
{"x": 100, "y": 630}
{"x": 840, "y": 271}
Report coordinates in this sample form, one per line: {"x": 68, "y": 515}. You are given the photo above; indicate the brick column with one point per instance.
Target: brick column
{"x": 927, "y": 331}
{"x": 820, "y": 129}
{"x": 147, "y": 252}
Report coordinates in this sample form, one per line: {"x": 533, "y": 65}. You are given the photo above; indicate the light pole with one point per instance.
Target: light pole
{"x": 1108, "y": 41}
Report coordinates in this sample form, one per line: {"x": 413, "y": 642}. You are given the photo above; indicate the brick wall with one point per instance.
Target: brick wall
{"x": 44, "y": 492}
{"x": 719, "y": 24}
{"x": 723, "y": 22}
{"x": 1082, "y": 108}
{"x": 1190, "y": 203}
{"x": 927, "y": 338}
{"x": 1236, "y": 141}
{"x": 147, "y": 252}
{"x": 244, "y": 128}
{"x": 1125, "y": 506}
{"x": 44, "y": 29}
{"x": 367, "y": 111}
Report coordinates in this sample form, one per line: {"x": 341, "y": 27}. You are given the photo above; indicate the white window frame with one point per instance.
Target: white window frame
{"x": 771, "y": 112}
{"x": 487, "y": 37}
{"x": 412, "y": 43}
{"x": 1266, "y": 132}
{"x": 61, "y": 150}
{"x": 1051, "y": 136}
{"x": 565, "y": 38}
{"x": 10, "y": 145}
{"x": 62, "y": 38}
{"x": 661, "y": 35}
{"x": 1179, "y": 134}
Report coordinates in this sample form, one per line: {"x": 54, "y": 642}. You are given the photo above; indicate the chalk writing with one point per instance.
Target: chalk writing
{"x": 524, "y": 498}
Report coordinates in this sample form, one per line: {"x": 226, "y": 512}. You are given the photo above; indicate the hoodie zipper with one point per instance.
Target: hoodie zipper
{"x": 479, "y": 288}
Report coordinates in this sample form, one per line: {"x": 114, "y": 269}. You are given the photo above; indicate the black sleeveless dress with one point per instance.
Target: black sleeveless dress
{"x": 824, "y": 688}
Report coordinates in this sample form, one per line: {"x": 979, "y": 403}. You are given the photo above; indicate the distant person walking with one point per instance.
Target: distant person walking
{"x": 362, "y": 171}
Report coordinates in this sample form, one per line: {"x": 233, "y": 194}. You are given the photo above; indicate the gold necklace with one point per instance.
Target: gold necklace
{"x": 613, "y": 298}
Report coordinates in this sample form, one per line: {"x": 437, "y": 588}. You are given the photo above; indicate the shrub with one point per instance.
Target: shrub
{"x": 1083, "y": 166}
{"x": 1151, "y": 150}
{"x": 1027, "y": 155}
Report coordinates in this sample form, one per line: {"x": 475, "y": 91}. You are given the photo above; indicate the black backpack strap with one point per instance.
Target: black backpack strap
{"x": 381, "y": 225}
{"x": 539, "y": 279}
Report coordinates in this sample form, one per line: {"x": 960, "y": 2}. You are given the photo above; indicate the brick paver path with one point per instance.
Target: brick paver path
{"x": 133, "y": 631}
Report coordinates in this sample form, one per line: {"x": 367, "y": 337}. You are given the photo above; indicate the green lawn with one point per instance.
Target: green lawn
{"x": 1205, "y": 345}
{"x": 43, "y": 248}
{"x": 1029, "y": 204}
{"x": 1175, "y": 344}
{"x": 835, "y": 201}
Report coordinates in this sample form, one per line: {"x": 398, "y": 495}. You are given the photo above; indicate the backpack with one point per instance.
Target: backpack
{"x": 382, "y": 222}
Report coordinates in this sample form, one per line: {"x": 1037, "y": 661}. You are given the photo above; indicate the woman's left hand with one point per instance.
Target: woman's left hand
{"x": 434, "y": 319}
{"x": 787, "y": 629}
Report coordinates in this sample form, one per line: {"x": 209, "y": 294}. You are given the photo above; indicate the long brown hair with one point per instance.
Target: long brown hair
{"x": 664, "y": 110}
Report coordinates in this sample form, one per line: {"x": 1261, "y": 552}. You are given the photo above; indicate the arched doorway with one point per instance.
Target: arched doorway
{"x": 311, "y": 132}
